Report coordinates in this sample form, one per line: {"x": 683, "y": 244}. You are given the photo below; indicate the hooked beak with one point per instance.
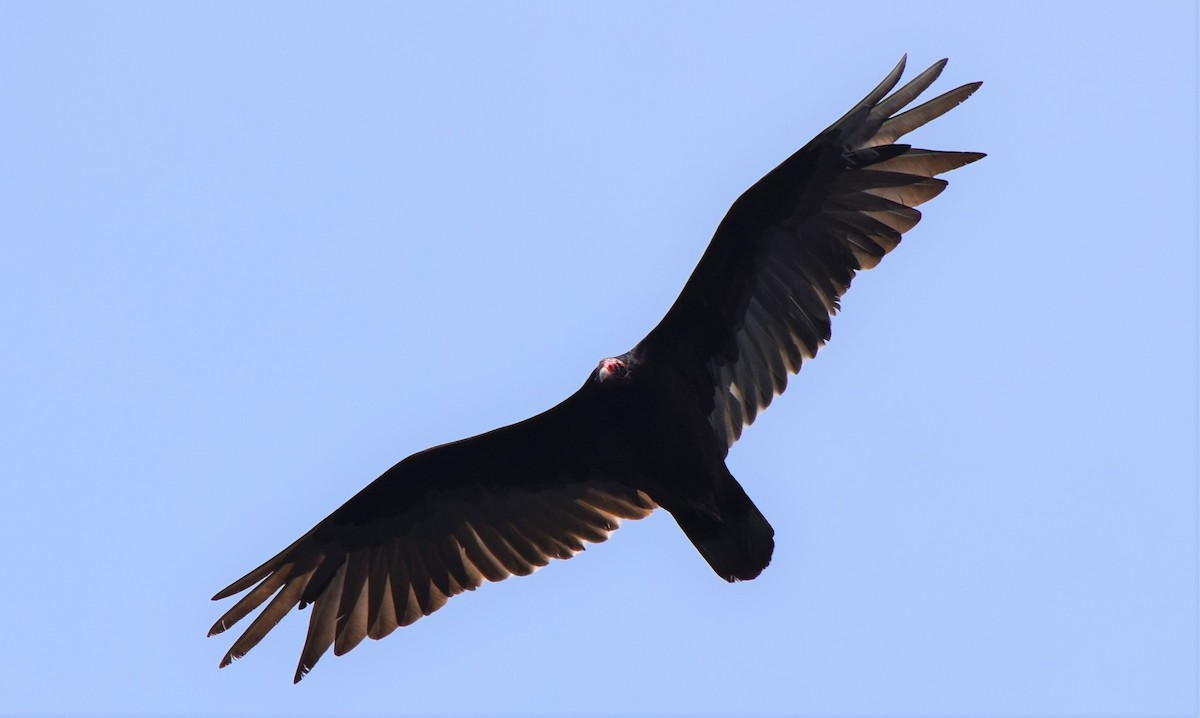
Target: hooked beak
{"x": 606, "y": 370}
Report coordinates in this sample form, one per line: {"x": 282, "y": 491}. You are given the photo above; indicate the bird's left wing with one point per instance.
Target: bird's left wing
{"x": 438, "y": 523}
{"x": 759, "y": 302}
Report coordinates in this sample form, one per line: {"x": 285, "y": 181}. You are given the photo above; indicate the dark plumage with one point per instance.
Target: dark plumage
{"x": 649, "y": 428}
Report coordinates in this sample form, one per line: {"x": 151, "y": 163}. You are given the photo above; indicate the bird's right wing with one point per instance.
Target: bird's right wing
{"x": 438, "y": 523}
{"x": 759, "y": 302}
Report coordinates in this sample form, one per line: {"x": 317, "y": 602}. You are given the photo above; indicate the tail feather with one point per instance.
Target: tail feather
{"x": 730, "y": 532}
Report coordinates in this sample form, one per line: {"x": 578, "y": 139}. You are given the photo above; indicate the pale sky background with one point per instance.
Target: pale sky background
{"x": 253, "y": 254}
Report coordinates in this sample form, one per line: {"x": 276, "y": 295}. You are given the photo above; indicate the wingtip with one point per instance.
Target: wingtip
{"x": 226, "y": 592}
{"x": 973, "y": 86}
{"x": 301, "y": 671}
{"x": 965, "y": 91}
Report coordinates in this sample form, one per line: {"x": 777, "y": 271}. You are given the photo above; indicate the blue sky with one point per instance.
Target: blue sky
{"x": 252, "y": 255}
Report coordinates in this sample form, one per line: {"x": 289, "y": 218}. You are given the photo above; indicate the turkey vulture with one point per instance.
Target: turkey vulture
{"x": 649, "y": 428}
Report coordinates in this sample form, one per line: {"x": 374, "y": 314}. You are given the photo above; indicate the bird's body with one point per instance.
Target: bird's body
{"x": 650, "y": 428}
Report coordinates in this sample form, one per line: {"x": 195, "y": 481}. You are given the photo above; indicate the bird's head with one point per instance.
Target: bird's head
{"x": 613, "y": 371}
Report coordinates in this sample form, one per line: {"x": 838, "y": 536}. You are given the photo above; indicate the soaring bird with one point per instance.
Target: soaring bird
{"x": 649, "y": 428}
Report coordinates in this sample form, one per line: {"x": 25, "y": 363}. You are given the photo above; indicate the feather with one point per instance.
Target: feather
{"x": 322, "y": 625}
{"x": 906, "y": 122}
{"x": 899, "y": 99}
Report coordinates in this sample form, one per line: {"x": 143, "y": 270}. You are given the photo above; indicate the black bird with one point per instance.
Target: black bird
{"x": 649, "y": 428}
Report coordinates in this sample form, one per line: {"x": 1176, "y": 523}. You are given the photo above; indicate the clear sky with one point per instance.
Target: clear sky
{"x": 253, "y": 254}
